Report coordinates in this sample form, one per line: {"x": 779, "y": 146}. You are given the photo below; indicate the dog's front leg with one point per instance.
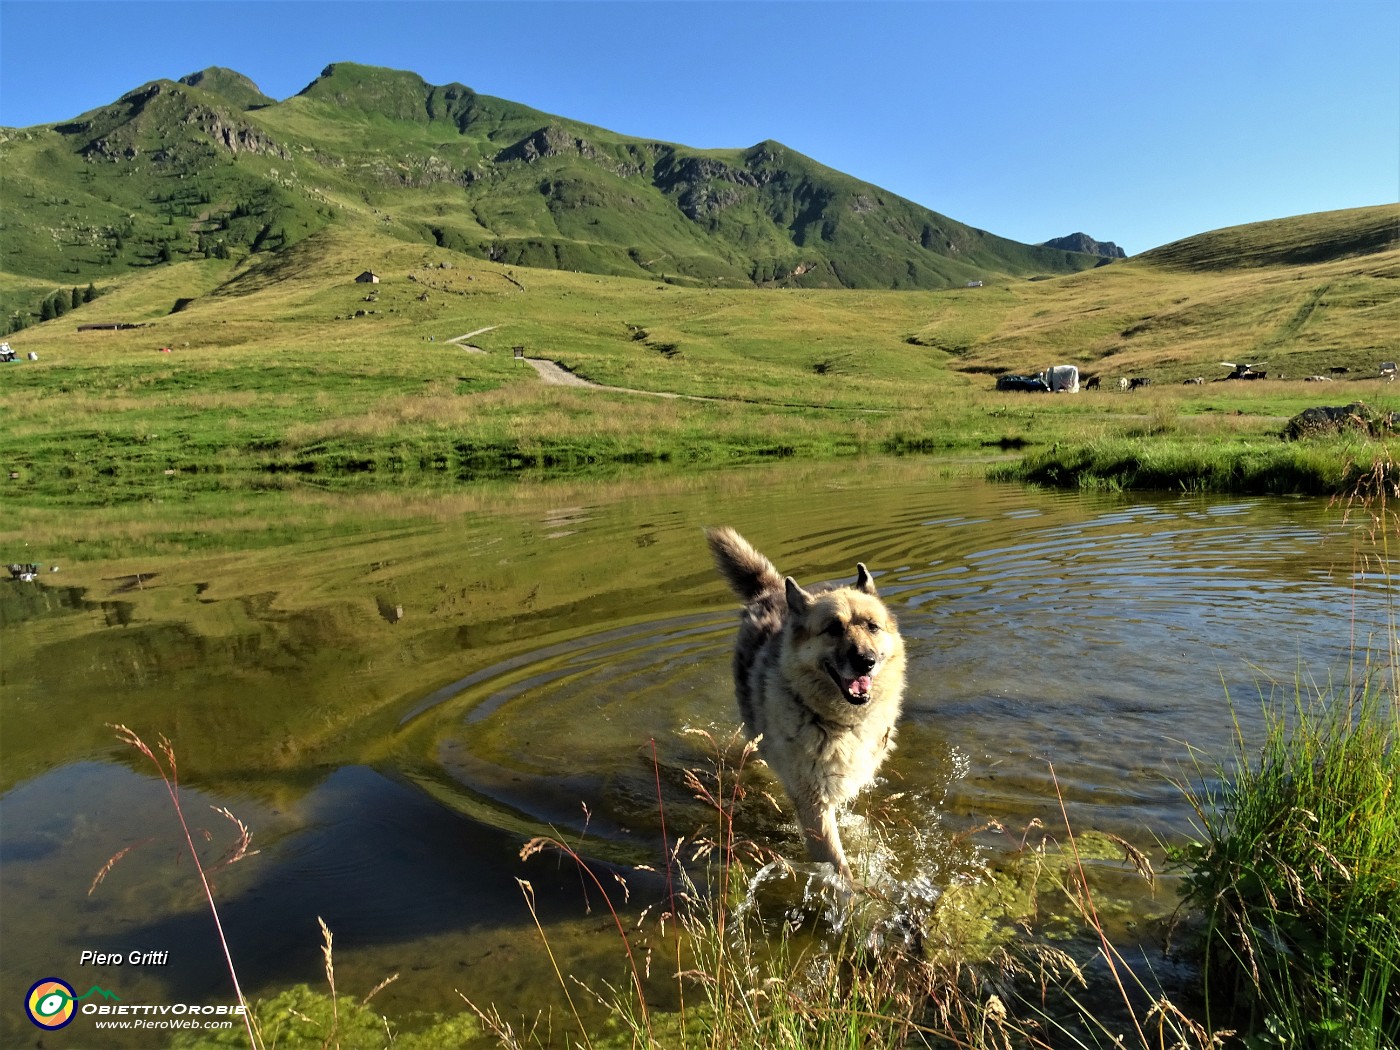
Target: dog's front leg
{"x": 824, "y": 838}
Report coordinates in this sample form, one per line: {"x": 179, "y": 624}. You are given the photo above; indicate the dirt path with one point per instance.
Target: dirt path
{"x": 461, "y": 340}
{"x": 552, "y": 373}
{"x": 557, "y": 375}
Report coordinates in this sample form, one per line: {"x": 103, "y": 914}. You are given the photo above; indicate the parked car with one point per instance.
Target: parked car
{"x": 1030, "y": 384}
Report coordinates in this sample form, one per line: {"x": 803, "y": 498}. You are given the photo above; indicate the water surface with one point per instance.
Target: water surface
{"x": 395, "y": 707}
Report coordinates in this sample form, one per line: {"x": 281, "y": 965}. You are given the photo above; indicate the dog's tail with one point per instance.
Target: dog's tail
{"x": 747, "y": 571}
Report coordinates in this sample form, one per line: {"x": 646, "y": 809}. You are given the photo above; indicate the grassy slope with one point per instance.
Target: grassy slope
{"x": 1156, "y": 316}
{"x": 271, "y": 367}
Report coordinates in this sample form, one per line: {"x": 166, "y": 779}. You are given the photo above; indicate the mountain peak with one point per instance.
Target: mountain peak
{"x": 392, "y": 93}
{"x": 229, "y": 85}
{"x": 1083, "y": 243}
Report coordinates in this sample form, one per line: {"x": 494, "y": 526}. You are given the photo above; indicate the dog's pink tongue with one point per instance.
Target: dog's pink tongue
{"x": 860, "y": 686}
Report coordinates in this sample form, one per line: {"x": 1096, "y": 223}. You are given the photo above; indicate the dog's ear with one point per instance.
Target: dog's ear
{"x": 864, "y": 581}
{"x": 798, "y": 600}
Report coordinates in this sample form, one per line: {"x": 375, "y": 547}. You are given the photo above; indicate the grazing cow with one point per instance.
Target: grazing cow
{"x": 1197, "y": 381}
{"x": 1123, "y": 383}
{"x": 1092, "y": 383}
{"x": 1138, "y": 381}
{"x": 1245, "y": 372}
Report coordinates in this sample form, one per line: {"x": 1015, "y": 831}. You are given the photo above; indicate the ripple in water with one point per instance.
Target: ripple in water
{"x": 1041, "y": 635}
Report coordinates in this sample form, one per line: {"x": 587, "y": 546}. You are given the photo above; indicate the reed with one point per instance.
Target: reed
{"x": 168, "y": 770}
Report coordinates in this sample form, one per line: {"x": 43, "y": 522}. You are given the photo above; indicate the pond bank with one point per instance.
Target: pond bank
{"x": 1333, "y": 466}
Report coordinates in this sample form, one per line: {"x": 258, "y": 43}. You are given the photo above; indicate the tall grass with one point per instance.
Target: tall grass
{"x": 1196, "y": 463}
{"x": 169, "y": 773}
{"x": 1297, "y": 876}
{"x": 760, "y": 953}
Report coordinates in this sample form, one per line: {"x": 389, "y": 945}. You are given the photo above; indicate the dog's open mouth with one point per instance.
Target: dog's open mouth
{"x": 855, "y": 690}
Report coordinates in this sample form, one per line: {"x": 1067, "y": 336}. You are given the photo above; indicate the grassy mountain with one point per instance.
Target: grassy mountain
{"x": 209, "y": 166}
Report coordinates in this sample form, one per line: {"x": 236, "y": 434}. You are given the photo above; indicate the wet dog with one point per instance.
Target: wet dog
{"x": 820, "y": 677}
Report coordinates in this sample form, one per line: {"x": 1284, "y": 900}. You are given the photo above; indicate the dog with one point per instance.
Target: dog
{"x": 819, "y": 678}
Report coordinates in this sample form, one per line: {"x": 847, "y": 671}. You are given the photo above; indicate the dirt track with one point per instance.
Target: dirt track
{"x": 557, "y": 375}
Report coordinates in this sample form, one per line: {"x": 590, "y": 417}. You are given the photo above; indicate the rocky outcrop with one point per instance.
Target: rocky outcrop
{"x": 549, "y": 141}
{"x": 703, "y": 186}
{"x": 1320, "y": 421}
{"x": 162, "y": 121}
{"x": 1082, "y": 242}
{"x": 232, "y": 135}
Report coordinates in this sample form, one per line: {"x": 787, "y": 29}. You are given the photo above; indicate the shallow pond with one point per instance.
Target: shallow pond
{"x": 395, "y": 703}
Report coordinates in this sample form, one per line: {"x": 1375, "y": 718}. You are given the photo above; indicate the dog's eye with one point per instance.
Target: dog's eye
{"x": 835, "y": 628}
{"x": 872, "y": 627}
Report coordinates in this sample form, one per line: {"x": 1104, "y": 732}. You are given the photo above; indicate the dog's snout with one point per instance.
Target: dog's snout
{"x": 863, "y": 661}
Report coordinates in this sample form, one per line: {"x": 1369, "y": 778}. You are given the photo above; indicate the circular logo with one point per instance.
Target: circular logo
{"x": 50, "y": 1003}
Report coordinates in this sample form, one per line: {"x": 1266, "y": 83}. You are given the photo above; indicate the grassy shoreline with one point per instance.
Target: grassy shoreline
{"x": 1327, "y": 467}
{"x": 160, "y": 451}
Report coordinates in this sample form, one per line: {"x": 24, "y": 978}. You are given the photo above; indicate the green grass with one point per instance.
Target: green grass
{"x": 1296, "y": 878}
{"x": 1259, "y": 466}
{"x": 1302, "y": 239}
{"x": 281, "y": 365}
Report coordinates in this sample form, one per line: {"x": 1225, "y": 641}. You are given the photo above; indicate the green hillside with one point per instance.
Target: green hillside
{"x": 1303, "y": 295}
{"x": 209, "y": 167}
{"x": 234, "y": 372}
{"x": 1298, "y": 240}
{"x": 183, "y": 264}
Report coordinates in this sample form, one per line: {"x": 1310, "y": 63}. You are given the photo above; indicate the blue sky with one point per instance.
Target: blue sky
{"x": 1134, "y": 121}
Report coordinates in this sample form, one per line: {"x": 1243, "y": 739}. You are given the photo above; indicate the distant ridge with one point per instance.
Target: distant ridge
{"x": 1082, "y": 242}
